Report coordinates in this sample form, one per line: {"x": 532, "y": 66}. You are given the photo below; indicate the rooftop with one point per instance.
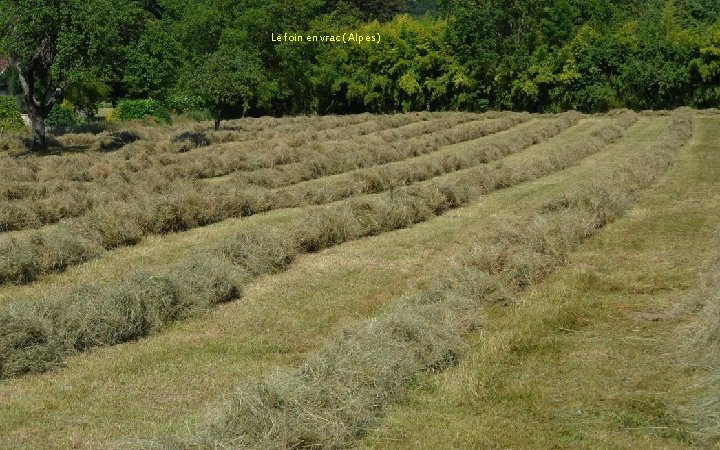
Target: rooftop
{"x": 4, "y": 63}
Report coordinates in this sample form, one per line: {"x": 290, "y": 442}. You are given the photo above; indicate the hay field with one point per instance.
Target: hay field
{"x": 374, "y": 281}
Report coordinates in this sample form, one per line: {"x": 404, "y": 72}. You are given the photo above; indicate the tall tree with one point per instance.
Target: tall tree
{"x": 230, "y": 76}
{"x": 56, "y": 44}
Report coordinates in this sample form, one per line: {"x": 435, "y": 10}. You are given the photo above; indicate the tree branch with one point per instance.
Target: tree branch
{"x": 27, "y": 82}
{"x": 23, "y": 81}
{"x": 53, "y": 96}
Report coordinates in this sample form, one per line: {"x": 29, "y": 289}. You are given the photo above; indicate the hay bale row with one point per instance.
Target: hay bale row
{"x": 338, "y": 157}
{"x": 39, "y": 203}
{"x": 339, "y": 392}
{"x": 92, "y": 315}
{"x": 108, "y": 228}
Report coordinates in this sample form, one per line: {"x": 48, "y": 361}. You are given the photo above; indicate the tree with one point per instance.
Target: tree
{"x": 412, "y": 68}
{"x": 231, "y": 75}
{"x": 56, "y": 45}
{"x": 152, "y": 63}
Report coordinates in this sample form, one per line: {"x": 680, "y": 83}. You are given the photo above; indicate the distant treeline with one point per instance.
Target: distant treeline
{"x": 532, "y": 55}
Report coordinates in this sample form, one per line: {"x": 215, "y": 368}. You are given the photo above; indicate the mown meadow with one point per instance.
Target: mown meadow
{"x": 341, "y": 281}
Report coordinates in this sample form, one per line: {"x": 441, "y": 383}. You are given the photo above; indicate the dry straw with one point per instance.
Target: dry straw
{"x": 234, "y": 261}
{"x": 169, "y": 207}
{"x": 339, "y": 392}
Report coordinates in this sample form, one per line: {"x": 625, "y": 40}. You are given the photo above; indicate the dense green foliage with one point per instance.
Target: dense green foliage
{"x": 588, "y": 55}
{"x": 63, "y": 48}
{"x": 225, "y": 56}
{"x": 412, "y": 69}
{"x": 10, "y": 118}
{"x": 63, "y": 116}
{"x": 140, "y": 109}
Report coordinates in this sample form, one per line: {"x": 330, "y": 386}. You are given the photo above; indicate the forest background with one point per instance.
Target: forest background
{"x": 217, "y": 58}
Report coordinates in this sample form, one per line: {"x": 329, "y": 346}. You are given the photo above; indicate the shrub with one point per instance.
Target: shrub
{"x": 139, "y": 109}
{"x": 184, "y": 103}
{"x": 112, "y": 116}
{"x": 63, "y": 116}
{"x": 10, "y": 118}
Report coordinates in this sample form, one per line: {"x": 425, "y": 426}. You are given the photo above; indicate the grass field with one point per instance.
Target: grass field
{"x": 446, "y": 280}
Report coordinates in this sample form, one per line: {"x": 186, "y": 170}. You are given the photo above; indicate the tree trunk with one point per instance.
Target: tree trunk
{"x": 38, "y": 129}
{"x": 218, "y": 117}
{"x": 37, "y": 109}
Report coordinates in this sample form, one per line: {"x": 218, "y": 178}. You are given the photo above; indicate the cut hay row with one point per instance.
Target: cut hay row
{"x": 304, "y": 124}
{"x": 75, "y": 241}
{"x": 37, "y": 335}
{"x": 339, "y": 393}
{"x": 141, "y": 144}
{"x": 339, "y": 157}
{"x": 413, "y": 170}
{"x": 212, "y": 157}
{"x": 700, "y": 352}
{"x": 355, "y": 218}
{"x": 82, "y": 198}
{"x": 32, "y": 204}
{"x": 220, "y": 160}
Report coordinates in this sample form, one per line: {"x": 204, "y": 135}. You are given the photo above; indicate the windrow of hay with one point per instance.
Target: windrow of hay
{"x": 338, "y": 157}
{"x": 94, "y": 183}
{"x": 148, "y": 144}
{"x": 85, "y": 166}
{"x": 220, "y": 160}
{"x": 354, "y": 218}
{"x": 234, "y": 262}
{"x": 150, "y": 136}
{"x": 700, "y": 351}
{"x": 391, "y": 175}
{"x": 338, "y": 394}
{"x": 188, "y": 206}
{"x": 37, "y": 335}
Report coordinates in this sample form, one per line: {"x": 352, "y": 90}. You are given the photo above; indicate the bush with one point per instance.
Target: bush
{"x": 63, "y": 116}
{"x": 184, "y": 103}
{"x": 10, "y": 118}
{"x": 139, "y": 109}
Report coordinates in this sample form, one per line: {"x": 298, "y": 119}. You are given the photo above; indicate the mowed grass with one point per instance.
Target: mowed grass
{"x": 172, "y": 381}
{"x": 593, "y": 357}
{"x": 153, "y": 252}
